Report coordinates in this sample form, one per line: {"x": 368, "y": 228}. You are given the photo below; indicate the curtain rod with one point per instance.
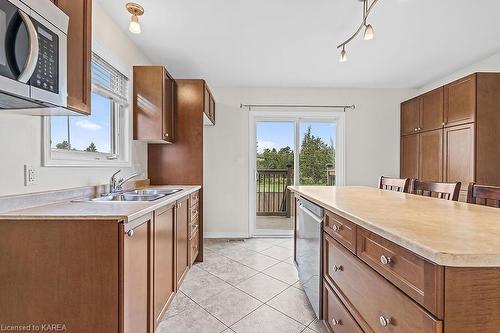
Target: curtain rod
{"x": 250, "y": 106}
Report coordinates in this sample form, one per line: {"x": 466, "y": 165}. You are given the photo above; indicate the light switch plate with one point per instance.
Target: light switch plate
{"x": 30, "y": 175}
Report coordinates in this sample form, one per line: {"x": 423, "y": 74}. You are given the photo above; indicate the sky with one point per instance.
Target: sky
{"x": 84, "y": 130}
{"x": 281, "y": 134}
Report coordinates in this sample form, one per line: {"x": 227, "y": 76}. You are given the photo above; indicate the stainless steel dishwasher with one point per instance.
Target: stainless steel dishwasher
{"x": 308, "y": 256}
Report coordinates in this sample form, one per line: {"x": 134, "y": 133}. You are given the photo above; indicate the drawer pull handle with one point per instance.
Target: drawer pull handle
{"x": 384, "y": 322}
{"x": 385, "y": 260}
{"x": 130, "y": 233}
{"x": 339, "y": 268}
{"x": 336, "y": 322}
{"x": 337, "y": 227}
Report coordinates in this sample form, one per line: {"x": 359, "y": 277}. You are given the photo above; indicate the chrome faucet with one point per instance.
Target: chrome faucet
{"x": 116, "y": 185}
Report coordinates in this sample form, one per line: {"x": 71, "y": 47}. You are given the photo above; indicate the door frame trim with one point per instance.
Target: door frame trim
{"x": 296, "y": 117}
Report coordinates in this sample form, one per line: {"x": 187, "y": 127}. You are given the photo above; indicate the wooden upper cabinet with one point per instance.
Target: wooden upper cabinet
{"x": 431, "y": 117}
{"x": 182, "y": 231}
{"x": 459, "y": 152}
{"x": 410, "y": 116}
{"x": 431, "y": 155}
{"x": 154, "y": 104}
{"x": 409, "y": 156}
{"x": 164, "y": 261}
{"x": 136, "y": 278}
{"x": 460, "y": 101}
{"x": 79, "y": 53}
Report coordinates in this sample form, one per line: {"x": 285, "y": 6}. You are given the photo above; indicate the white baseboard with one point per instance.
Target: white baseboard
{"x": 226, "y": 235}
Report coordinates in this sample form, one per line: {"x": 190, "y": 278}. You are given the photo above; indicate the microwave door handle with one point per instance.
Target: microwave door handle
{"x": 30, "y": 65}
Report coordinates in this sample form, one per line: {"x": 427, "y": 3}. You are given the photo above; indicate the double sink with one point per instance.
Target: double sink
{"x": 138, "y": 195}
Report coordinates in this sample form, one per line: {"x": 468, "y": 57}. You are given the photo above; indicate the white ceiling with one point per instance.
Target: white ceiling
{"x": 293, "y": 42}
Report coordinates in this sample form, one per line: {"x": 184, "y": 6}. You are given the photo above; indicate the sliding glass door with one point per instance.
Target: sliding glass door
{"x": 289, "y": 151}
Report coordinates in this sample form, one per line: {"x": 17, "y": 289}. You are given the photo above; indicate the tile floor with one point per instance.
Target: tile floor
{"x": 248, "y": 286}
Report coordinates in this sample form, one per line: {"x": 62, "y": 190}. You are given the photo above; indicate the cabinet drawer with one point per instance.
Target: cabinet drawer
{"x": 335, "y": 315}
{"x": 194, "y": 198}
{"x": 418, "y": 278}
{"x": 376, "y": 304}
{"x": 194, "y": 225}
{"x": 341, "y": 229}
{"x": 194, "y": 246}
{"x": 195, "y": 210}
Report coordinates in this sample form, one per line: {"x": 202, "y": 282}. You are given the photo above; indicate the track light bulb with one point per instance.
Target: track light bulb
{"x": 343, "y": 55}
{"x": 369, "y": 33}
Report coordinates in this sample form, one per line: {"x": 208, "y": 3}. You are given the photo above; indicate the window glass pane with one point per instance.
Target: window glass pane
{"x": 317, "y": 153}
{"x": 87, "y": 133}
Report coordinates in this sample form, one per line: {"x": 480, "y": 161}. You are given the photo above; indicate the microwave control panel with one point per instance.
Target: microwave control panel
{"x": 46, "y": 75}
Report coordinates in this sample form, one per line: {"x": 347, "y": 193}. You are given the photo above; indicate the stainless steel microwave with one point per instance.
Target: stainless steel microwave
{"x": 33, "y": 58}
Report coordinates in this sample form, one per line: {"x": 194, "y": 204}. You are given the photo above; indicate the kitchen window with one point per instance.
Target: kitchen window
{"x": 99, "y": 139}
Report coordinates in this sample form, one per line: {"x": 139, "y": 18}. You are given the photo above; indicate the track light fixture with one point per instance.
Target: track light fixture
{"x": 368, "y": 34}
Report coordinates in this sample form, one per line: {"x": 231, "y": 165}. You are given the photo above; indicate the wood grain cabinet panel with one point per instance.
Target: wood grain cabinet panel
{"x": 431, "y": 155}
{"x": 410, "y": 156}
{"x": 410, "y": 116}
{"x": 460, "y": 101}
{"x": 153, "y": 104}
{"x": 431, "y": 117}
{"x": 194, "y": 246}
{"x": 377, "y": 305}
{"x": 136, "y": 278}
{"x": 79, "y": 53}
{"x": 418, "y": 278}
{"x": 182, "y": 232}
{"x": 341, "y": 229}
{"x": 164, "y": 260}
{"x": 459, "y": 154}
{"x": 335, "y": 315}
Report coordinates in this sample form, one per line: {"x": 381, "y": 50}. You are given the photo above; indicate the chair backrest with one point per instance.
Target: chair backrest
{"x": 448, "y": 191}
{"x": 394, "y": 184}
{"x": 483, "y": 195}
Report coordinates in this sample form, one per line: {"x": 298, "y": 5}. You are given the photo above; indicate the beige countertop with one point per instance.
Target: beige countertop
{"x": 445, "y": 232}
{"x": 98, "y": 210}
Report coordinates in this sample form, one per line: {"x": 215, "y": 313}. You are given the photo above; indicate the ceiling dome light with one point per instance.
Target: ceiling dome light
{"x": 343, "y": 55}
{"x": 369, "y": 33}
{"x": 136, "y": 11}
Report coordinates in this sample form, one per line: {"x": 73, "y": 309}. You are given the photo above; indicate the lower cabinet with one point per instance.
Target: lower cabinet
{"x": 335, "y": 315}
{"x": 182, "y": 232}
{"x": 135, "y": 275}
{"x": 164, "y": 284}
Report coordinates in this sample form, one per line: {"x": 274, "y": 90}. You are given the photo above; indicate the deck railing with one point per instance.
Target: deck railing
{"x": 273, "y": 196}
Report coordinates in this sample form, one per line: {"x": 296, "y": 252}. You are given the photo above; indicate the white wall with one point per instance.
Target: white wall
{"x": 371, "y": 135}
{"x": 21, "y": 135}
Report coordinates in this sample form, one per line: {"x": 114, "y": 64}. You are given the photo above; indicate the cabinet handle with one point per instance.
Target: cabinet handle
{"x": 166, "y": 135}
{"x": 444, "y": 124}
{"x": 384, "y": 322}
{"x": 420, "y": 128}
{"x": 416, "y": 129}
{"x": 336, "y": 322}
{"x": 337, "y": 227}
{"x": 130, "y": 233}
{"x": 339, "y": 268}
{"x": 385, "y": 260}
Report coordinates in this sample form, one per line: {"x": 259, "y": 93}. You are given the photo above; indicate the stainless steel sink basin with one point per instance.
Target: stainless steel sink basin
{"x": 138, "y": 195}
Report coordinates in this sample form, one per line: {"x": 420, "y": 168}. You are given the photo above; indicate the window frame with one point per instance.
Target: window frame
{"x": 120, "y": 140}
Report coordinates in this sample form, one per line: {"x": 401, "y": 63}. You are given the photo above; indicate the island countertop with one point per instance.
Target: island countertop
{"x": 445, "y": 232}
{"x": 82, "y": 209}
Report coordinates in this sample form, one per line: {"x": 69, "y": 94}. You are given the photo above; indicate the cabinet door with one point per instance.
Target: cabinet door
{"x": 410, "y": 116}
{"x": 431, "y": 155}
{"x": 168, "y": 108}
{"x": 409, "y": 156}
{"x": 460, "y": 101}
{"x": 163, "y": 254}
{"x": 79, "y": 52}
{"x": 182, "y": 231}
{"x": 136, "y": 279}
{"x": 206, "y": 101}
{"x": 432, "y": 110}
{"x": 459, "y": 154}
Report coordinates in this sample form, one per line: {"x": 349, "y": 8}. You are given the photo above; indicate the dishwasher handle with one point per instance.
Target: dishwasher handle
{"x": 310, "y": 213}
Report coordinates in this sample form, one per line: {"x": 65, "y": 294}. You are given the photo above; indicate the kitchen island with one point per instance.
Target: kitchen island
{"x": 396, "y": 262}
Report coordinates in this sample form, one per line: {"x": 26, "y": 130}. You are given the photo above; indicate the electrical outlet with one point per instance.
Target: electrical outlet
{"x": 30, "y": 175}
